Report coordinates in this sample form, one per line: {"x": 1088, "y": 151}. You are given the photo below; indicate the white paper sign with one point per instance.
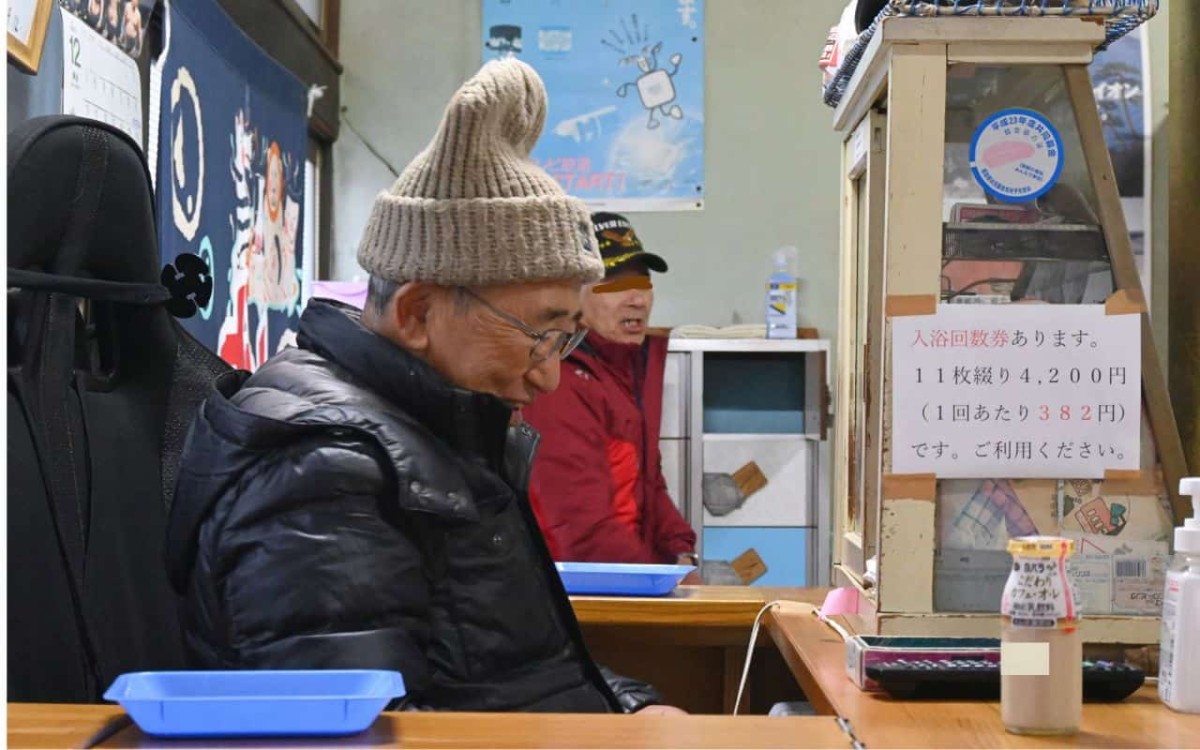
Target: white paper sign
{"x": 100, "y": 81}
{"x": 1016, "y": 391}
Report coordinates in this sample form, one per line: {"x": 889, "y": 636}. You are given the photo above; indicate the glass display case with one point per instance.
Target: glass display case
{"x": 928, "y": 220}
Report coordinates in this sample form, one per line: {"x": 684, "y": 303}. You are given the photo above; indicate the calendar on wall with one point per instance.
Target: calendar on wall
{"x": 100, "y": 81}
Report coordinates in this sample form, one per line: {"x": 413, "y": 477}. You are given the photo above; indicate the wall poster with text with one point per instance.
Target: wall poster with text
{"x": 230, "y": 156}
{"x": 625, "y": 128}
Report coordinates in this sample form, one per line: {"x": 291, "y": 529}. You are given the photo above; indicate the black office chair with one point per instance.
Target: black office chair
{"x": 102, "y": 385}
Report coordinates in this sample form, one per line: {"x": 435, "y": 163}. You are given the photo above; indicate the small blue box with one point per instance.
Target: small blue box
{"x": 621, "y": 579}
{"x": 255, "y": 703}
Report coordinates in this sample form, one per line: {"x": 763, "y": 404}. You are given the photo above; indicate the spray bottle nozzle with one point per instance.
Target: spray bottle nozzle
{"x": 1187, "y": 536}
{"x": 786, "y": 259}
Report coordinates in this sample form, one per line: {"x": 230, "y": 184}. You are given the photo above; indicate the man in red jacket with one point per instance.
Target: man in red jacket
{"x": 597, "y": 487}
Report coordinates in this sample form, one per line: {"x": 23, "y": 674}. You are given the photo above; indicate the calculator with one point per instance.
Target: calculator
{"x": 979, "y": 679}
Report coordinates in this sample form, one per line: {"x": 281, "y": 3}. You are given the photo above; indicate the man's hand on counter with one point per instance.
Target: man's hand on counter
{"x": 693, "y": 578}
{"x": 657, "y": 710}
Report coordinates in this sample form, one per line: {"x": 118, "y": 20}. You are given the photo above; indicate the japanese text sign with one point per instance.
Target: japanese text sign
{"x": 1016, "y": 391}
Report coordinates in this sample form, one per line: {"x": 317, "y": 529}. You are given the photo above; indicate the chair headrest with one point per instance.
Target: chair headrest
{"x": 80, "y": 202}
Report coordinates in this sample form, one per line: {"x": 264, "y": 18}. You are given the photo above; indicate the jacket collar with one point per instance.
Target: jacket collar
{"x": 624, "y": 362}
{"x": 471, "y": 422}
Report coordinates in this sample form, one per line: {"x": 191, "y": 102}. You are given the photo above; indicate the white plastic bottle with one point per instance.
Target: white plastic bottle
{"x": 1179, "y": 656}
{"x": 781, "y": 297}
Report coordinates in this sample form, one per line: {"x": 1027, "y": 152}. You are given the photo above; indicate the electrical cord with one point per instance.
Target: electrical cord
{"x": 782, "y": 605}
{"x": 362, "y": 139}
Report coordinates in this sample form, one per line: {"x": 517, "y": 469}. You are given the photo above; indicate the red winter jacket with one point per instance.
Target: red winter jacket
{"x": 597, "y": 486}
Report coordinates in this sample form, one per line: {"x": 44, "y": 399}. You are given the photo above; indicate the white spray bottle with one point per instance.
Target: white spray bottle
{"x": 1179, "y": 654}
{"x": 781, "y": 296}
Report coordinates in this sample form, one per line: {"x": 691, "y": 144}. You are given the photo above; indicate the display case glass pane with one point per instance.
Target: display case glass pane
{"x": 1045, "y": 246}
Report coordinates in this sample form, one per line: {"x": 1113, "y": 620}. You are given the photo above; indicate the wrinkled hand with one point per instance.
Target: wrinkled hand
{"x": 657, "y": 710}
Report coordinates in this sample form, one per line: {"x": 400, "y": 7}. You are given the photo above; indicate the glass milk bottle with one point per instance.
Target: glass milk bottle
{"x": 1041, "y": 665}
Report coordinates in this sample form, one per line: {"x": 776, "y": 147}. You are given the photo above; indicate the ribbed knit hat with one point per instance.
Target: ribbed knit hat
{"x": 472, "y": 209}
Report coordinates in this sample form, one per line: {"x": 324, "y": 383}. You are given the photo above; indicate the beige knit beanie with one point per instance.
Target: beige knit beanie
{"x": 472, "y": 209}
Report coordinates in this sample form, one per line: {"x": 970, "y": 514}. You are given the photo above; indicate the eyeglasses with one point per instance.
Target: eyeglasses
{"x": 546, "y": 343}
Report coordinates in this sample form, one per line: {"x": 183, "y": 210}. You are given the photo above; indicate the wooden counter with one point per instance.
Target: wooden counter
{"x": 680, "y": 637}
{"x": 817, "y": 657}
{"x": 689, "y": 610}
{"x": 691, "y": 645}
{"x": 32, "y": 725}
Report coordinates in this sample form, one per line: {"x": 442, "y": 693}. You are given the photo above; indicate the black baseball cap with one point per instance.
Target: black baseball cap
{"x": 620, "y": 246}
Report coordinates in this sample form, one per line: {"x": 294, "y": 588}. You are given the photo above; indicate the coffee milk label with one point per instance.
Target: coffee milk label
{"x": 1038, "y": 593}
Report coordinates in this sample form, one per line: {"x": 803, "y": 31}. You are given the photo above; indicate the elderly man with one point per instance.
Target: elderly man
{"x": 597, "y": 485}
{"x": 360, "y": 501}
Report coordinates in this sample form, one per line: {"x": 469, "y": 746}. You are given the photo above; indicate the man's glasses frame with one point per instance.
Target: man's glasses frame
{"x": 545, "y": 343}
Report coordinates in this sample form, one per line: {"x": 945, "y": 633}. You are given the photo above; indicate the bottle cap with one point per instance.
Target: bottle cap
{"x": 785, "y": 259}
{"x": 1041, "y": 546}
{"x": 1187, "y": 536}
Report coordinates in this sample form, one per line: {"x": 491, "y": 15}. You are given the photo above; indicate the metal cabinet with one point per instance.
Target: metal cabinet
{"x": 751, "y": 416}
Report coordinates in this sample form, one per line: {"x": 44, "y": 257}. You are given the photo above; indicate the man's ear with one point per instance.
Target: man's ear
{"x": 409, "y": 315}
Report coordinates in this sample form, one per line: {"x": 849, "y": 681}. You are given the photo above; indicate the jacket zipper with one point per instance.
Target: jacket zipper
{"x": 562, "y": 603}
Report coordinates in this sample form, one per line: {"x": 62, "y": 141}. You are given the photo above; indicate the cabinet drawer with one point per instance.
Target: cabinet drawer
{"x": 785, "y": 462}
{"x": 784, "y": 551}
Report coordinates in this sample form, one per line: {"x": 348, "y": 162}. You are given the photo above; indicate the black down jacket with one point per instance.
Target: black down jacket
{"x": 345, "y": 507}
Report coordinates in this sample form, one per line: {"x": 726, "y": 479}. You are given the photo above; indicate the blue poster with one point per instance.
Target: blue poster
{"x": 625, "y": 128}
{"x": 1120, "y": 87}
{"x": 232, "y": 145}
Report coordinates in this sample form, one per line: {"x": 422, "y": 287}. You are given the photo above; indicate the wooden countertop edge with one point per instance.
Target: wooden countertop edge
{"x": 665, "y": 612}
{"x": 705, "y": 606}
{"x": 800, "y": 661}
{"x": 59, "y": 725}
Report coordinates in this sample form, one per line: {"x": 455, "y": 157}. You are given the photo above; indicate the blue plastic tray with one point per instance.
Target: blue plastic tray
{"x": 255, "y": 702}
{"x": 621, "y": 579}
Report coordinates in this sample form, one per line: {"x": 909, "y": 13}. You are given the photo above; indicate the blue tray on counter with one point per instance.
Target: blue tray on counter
{"x": 621, "y": 579}
{"x": 255, "y": 703}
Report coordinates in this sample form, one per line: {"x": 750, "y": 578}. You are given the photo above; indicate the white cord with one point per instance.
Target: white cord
{"x": 750, "y": 654}
{"x": 836, "y": 628}
{"x": 781, "y": 603}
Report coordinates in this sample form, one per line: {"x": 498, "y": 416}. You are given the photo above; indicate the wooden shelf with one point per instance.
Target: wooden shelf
{"x": 748, "y": 345}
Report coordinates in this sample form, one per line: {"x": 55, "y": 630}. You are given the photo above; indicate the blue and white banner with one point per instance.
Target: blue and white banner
{"x": 230, "y": 157}
{"x": 625, "y": 129}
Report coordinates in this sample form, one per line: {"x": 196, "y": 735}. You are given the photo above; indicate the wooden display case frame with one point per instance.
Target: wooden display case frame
{"x": 892, "y": 118}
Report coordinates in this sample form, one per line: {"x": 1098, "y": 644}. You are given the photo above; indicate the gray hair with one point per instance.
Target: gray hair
{"x": 380, "y": 292}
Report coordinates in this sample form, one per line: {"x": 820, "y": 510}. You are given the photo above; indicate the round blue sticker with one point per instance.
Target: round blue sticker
{"x": 1016, "y": 155}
